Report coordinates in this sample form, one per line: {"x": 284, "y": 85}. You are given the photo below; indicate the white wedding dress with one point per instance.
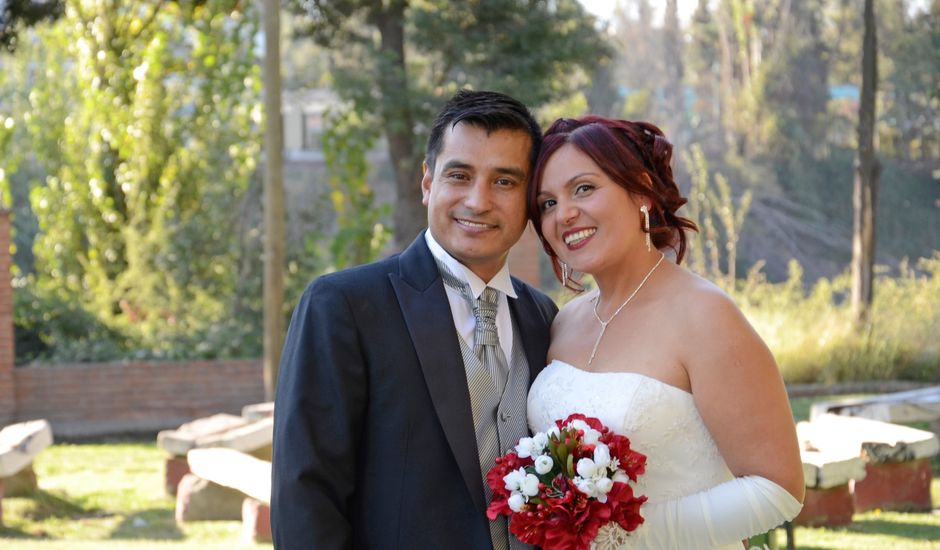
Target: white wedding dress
{"x": 661, "y": 421}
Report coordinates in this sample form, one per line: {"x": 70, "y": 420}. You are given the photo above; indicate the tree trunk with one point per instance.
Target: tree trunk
{"x": 602, "y": 97}
{"x": 273, "y": 199}
{"x": 397, "y": 113}
{"x": 868, "y": 170}
{"x": 726, "y": 78}
{"x": 672, "y": 36}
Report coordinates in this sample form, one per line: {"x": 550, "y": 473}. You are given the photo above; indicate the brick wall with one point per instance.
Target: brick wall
{"x": 92, "y": 399}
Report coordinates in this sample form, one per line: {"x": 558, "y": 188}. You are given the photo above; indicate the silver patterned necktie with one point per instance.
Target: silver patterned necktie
{"x": 486, "y": 338}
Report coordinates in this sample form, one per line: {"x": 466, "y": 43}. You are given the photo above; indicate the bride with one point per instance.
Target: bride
{"x": 657, "y": 353}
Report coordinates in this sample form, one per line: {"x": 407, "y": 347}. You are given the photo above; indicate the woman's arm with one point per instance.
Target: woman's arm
{"x": 739, "y": 393}
{"x": 722, "y": 515}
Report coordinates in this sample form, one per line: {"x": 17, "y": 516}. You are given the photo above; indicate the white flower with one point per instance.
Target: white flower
{"x": 513, "y": 479}
{"x": 543, "y": 464}
{"x": 604, "y": 485}
{"x": 524, "y": 448}
{"x": 529, "y": 486}
{"x": 531, "y": 446}
{"x": 591, "y": 436}
{"x": 620, "y": 477}
{"x": 586, "y": 468}
{"x": 602, "y": 456}
{"x": 586, "y": 486}
{"x": 590, "y": 488}
{"x": 516, "y": 501}
{"x": 553, "y": 432}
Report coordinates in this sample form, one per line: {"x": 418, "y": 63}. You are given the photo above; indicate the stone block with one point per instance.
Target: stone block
{"x": 825, "y": 470}
{"x": 20, "y": 443}
{"x": 827, "y": 507}
{"x": 176, "y": 468}
{"x": 258, "y": 411}
{"x": 902, "y": 486}
{"x": 249, "y": 437}
{"x": 876, "y": 441}
{"x": 256, "y": 521}
{"x": 920, "y": 405}
{"x": 233, "y": 469}
{"x": 22, "y": 483}
{"x": 220, "y": 430}
{"x": 199, "y": 499}
{"x": 192, "y": 434}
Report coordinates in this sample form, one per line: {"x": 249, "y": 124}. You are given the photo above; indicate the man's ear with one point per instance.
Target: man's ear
{"x": 426, "y": 178}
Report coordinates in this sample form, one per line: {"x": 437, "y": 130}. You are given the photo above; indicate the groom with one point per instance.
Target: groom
{"x": 402, "y": 380}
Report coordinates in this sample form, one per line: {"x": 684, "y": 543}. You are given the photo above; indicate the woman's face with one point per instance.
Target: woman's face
{"x": 590, "y": 221}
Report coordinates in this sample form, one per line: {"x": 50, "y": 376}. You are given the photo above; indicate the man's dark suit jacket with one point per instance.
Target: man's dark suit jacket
{"x": 373, "y": 436}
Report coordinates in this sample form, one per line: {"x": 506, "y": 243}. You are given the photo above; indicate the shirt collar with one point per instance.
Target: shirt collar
{"x": 501, "y": 281}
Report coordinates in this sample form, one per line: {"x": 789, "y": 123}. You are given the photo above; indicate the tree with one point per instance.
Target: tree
{"x": 674, "y": 93}
{"x": 396, "y": 61}
{"x": 868, "y": 169}
{"x": 14, "y": 13}
{"x": 703, "y": 64}
{"x": 793, "y": 88}
{"x": 913, "y": 86}
{"x": 145, "y": 119}
{"x": 602, "y": 95}
{"x": 640, "y": 63}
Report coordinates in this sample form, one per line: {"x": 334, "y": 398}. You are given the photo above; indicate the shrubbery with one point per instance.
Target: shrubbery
{"x": 814, "y": 336}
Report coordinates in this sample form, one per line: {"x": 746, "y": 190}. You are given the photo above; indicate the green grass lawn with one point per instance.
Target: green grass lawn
{"x": 878, "y": 531}
{"x": 110, "y": 496}
{"x": 106, "y": 496}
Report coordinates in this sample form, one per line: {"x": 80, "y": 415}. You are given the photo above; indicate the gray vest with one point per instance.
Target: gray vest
{"x": 506, "y": 415}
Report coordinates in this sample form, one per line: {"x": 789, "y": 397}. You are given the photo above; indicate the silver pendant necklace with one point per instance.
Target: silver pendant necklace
{"x": 623, "y": 305}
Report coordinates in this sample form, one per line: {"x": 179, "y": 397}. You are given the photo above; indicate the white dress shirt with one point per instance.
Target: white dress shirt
{"x": 464, "y": 320}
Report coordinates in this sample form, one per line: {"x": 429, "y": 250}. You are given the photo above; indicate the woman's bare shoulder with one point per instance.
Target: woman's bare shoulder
{"x": 575, "y": 308}
{"x": 701, "y": 299}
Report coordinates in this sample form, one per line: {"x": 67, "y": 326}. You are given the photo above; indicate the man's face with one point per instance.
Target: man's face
{"x": 476, "y": 197}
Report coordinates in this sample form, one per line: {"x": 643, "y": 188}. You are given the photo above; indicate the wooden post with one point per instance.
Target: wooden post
{"x": 273, "y": 198}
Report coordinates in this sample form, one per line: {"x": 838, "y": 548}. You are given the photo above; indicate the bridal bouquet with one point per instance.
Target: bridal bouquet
{"x": 559, "y": 488}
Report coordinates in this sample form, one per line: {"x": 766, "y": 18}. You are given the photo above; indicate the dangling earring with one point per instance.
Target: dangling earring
{"x": 646, "y": 226}
{"x": 564, "y": 272}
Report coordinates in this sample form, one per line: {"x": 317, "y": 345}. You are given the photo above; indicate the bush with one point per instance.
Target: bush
{"x": 815, "y": 338}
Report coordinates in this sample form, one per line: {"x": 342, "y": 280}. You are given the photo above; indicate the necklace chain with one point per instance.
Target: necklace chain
{"x": 619, "y": 309}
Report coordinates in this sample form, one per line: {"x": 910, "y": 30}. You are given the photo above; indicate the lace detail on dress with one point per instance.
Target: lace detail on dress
{"x": 661, "y": 421}
{"x": 610, "y": 537}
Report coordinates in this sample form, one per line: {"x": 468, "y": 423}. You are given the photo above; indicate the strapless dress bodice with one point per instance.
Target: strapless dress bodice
{"x": 660, "y": 420}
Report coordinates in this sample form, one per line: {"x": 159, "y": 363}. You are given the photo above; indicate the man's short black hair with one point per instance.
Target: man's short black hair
{"x": 491, "y": 111}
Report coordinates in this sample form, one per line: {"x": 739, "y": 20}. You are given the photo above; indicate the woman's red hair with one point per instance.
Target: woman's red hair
{"x": 625, "y": 151}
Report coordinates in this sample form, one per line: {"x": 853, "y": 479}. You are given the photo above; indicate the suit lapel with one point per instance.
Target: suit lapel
{"x": 533, "y": 330}
{"x": 423, "y": 300}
